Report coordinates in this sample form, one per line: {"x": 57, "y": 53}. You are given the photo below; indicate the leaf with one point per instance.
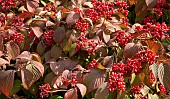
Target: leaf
{"x": 154, "y": 68}
{"x": 163, "y": 75}
{"x": 49, "y": 77}
{"x": 82, "y": 89}
{"x": 13, "y": 50}
{"x": 36, "y": 57}
{"x": 37, "y": 31}
{"x": 89, "y": 4}
{"x": 72, "y": 18}
{"x": 6, "y": 82}
{"x": 100, "y": 66}
{"x": 31, "y": 5}
{"x": 106, "y": 37}
{"x": 16, "y": 87}
{"x": 145, "y": 90}
{"x": 71, "y": 94}
{"x": 33, "y": 89}
{"x": 94, "y": 79}
{"x": 61, "y": 65}
{"x": 59, "y": 34}
{"x": 48, "y": 56}
{"x": 41, "y": 48}
{"x": 25, "y": 55}
{"x": 72, "y": 50}
{"x": 26, "y": 15}
{"x": 151, "y": 3}
{"x": 28, "y": 43}
{"x": 131, "y": 49}
{"x": 1, "y": 44}
{"x": 3, "y": 61}
{"x": 56, "y": 51}
{"x": 33, "y": 71}
{"x": 102, "y": 92}
{"x": 135, "y": 79}
{"x": 151, "y": 96}
{"x": 107, "y": 61}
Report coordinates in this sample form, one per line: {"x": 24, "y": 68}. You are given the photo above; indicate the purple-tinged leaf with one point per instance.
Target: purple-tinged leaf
{"x": 13, "y": 50}
{"x": 37, "y": 31}
{"x": 39, "y": 66}
{"x": 41, "y": 48}
{"x": 59, "y": 34}
{"x": 94, "y": 79}
{"x": 25, "y": 55}
{"x": 6, "y": 82}
{"x": 82, "y": 88}
{"x": 56, "y": 52}
{"x": 61, "y": 65}
{"x": 28, "y": 43}
{"x": 49, "y": 77}
{"x": 151, "y": 3}
{"x": 72, "y": 18}
{"x": 1, "y": 44}
{"x": 107, "y": 61}
{"x": 71, "y": 94}
{"x": 102, "y": 92}
{"x": 31, "y": 5}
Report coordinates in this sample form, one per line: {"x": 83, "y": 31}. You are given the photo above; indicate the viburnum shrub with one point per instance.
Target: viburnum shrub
{"x": 83, "y": 49}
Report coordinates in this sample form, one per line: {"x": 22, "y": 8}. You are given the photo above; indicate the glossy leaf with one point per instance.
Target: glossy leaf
{"x": 72, "y": 18}
{"x": 82, "y": 89}
{"x": 13, "y": 50}
{"x": 31, "y": 5}
{"x": 37, "y": 31}
{"x": 3, "y": 61}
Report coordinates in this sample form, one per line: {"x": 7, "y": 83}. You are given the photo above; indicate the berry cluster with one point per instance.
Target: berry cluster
{"x": 149, "y": 19}
{"x": 123, "y": 38}
{"x": 71, "y": 81}
{"x": 152, "y": 78}
{"x": 92, "y": 46}
{"x": 134, "y": 65}
{"x": 7, "y": 4}
{"x": 17, "y": 37}
{"x": 50, "y": 8}
{"x": 146, "y": 56}
{"x": 48, "y": 36}
{"x": 44, "y": 90}
{"x": 82, "y": 25}
{"x": 116, "y": 81}
{"x": 136, "y": 89}
{"x": 162, "y": 89}
{"x": 122, "y": 7}
{"x": 2, "y": 21}
{"x": 92, "y": 64}
{"x": 17, "y": 22}
{"x": 92, "y": 14}
{"x": 157, "y": 30}
{"x": 103, "y": 8}
{"x": 160, "y": 7}
{"x": 78, "y": 11}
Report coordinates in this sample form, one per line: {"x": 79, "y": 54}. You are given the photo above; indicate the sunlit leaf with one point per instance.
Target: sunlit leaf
{"x": 82, "y": 89}
{"x": 71, "y": 94}
{"x": 13, "y": 49}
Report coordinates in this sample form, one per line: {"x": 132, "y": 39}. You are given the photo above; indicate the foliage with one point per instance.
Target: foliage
{"x": 84, "y": 49}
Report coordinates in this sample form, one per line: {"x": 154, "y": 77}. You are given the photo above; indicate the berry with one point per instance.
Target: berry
{"x": 92, "y": 64}
{"x": 48, "y": 36}
{"x": 162, "y": 89}
{"x": 92, "y": 14}
{"x": 152, "y": 78}
{"x": 134, "y": 65}
{"x": 17, "y": 37}
{"x": 17, "y": 22}
{"x": 82, "y": 25}
{"x": 44, "y": 90}
{"x": 122, "y": 38}
{"x": 146, "y": 56}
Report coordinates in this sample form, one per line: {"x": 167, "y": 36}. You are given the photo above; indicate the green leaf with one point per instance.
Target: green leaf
{"x": 72, "y": 50}
{"x": 17, "y": 86}
{"x": 56, "y": 97}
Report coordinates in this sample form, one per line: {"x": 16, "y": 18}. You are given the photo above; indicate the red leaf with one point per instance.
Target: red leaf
{"x": 59, "y": 34}
{"x": 71, "y": 94}
{"x": 37, "y": 31}
{"x": 13, "y": 50}
{"x": 72, "y": 18}
{"x": 56, "y": 52}
{"x": 26, "y": 15}
{"x": 6, "y": 82}
{"x": 82, "y": 89}
{"x": 102, "y": 92}
{"x": 94, "y": 79}
{"x": 31, "y": 5}
{"x": 61, "y": 65}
